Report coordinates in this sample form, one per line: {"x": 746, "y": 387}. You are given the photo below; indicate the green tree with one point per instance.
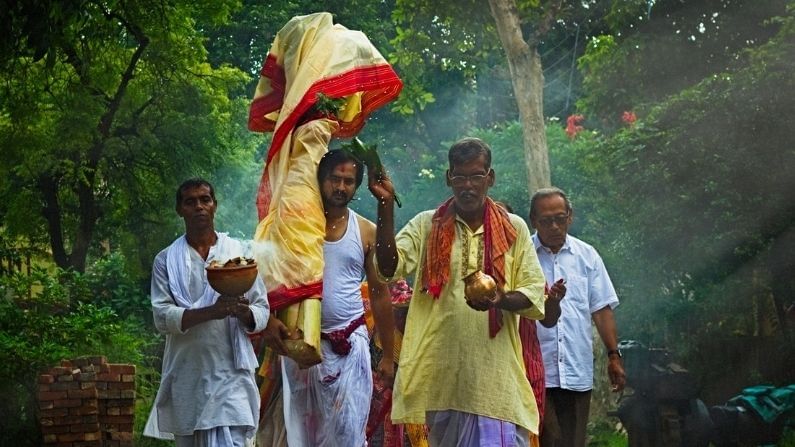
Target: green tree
{"x": 460, "y": 39}
{"x": 650, "y": 50}
{"x": 101, "y": 120}
{"x": 245, "y": 40}
{"x": 694, "y": 213}
{"x": 471, "y": 38}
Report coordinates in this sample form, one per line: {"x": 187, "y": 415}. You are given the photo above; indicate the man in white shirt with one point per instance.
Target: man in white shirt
{"x": 567, "y": 347}
{"x": 208, "y": 395}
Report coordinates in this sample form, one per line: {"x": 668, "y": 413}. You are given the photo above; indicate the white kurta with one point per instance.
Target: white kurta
{"x": 200, "y": 388}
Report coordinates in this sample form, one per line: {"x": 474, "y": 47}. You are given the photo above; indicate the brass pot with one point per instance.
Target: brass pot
{"x": 232, "y": 281}
{"x": 478, "y": 285}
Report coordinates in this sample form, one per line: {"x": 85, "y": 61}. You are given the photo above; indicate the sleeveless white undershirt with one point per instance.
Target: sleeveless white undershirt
{"x": 343, "y": 273}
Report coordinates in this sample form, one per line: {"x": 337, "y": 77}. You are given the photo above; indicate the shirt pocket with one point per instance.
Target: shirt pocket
{"x": 576, "y": 298}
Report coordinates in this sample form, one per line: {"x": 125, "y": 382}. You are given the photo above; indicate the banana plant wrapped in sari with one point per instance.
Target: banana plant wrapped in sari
{"x": 310, "y": 58}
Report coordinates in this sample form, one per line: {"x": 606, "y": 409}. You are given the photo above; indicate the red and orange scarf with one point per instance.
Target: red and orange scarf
{"x": 499, "y": 236}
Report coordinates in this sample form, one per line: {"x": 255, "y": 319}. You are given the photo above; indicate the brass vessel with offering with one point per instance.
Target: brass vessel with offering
{"x": 232, "y": 278}
{"x": 479, "y": 285}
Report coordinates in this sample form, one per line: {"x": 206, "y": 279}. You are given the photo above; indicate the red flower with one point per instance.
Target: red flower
{"x": 573, "y": 125}
{"x": 629, "y": 118}
{"x": 401, "y": 293}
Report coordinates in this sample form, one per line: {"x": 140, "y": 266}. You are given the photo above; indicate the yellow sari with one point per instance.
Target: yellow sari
{"x": 309, "y": 55}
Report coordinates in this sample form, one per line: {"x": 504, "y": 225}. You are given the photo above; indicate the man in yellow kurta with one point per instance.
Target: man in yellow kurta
{"x": 460, "y": 368}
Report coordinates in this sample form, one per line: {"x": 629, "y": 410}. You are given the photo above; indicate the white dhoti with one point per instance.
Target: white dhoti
{"x": 327, "y": 405}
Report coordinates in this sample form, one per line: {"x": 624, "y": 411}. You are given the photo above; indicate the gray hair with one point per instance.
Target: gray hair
{"x": 467, "y": 149}
{"x": 548, "y": 192}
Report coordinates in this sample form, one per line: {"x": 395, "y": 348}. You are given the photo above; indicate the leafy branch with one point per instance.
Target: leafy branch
{"x": 367, "y": 155}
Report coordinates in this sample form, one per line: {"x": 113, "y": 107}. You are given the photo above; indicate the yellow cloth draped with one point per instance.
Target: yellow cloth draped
{"x": 295, "y": 226}
{"x": 310, "y": 55}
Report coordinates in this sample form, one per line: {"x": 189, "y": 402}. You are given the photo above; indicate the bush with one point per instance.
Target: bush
{"x": 50, "y": 316}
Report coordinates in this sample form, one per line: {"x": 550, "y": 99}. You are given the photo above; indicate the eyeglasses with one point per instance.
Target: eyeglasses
{"x": 559, "y": 220}
{"x": 475, "y": 179}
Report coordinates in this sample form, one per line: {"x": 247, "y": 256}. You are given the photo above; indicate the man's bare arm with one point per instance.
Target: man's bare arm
{"x": 381, "y": 302}
{"x": 606, "y": 326}
{"x": 223, "y": 307}
{"x": 385, "y": 249}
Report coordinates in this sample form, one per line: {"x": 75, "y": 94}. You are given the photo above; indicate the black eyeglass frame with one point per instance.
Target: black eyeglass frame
{"x": 475, "y": 179}
{"x": 560, "y": 220}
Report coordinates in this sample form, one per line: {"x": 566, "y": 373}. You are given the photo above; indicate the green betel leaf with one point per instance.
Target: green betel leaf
{"x": 367, "y": 155}
{"x": 328, "y": 105}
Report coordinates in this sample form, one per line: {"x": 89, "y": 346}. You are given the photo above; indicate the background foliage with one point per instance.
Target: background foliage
{"x": 106, "y": 106}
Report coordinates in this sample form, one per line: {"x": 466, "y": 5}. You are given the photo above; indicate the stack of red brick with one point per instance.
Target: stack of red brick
{"x": 87, "y": 402}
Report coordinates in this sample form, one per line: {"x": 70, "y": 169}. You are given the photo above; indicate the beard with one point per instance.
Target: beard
{"x": 337, "y": 200}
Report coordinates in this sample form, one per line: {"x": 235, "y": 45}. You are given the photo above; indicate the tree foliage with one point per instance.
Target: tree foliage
{"x": 245, "y": 39}
{"x": 695, "y": 210}
{"x": 648, "y": 53}
{"x": 97, "y": 129}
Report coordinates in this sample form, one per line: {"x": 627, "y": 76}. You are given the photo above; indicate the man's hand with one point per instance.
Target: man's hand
{"x": 483, "y": 303}
{"x": 243, "y": 312}
{"x": 240, "y": 307}
{"x": 558, "y": 290}
{"x": 380, "y": 186}
{"x": 384, "y": 192}
{"x": 386, "y": 371}
{"x": 615, "y": 370}
{"x": 552, "y": 303}
{"x": 225, "y": 306}
{"x": 274, "y": 334}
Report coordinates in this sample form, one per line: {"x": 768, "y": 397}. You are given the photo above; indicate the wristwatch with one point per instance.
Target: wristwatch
{"x": 616, "y": 352}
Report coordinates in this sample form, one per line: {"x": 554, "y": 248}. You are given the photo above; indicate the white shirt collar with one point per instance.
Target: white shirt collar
{"x": 539, "y": 246}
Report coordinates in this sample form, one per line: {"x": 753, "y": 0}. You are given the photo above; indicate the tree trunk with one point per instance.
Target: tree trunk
{"x": 52, "y": 214}
{"x": 527, "y": 78}
{"x": 89, "y": 208}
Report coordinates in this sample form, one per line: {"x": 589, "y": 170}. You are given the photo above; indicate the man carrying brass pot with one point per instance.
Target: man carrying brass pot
{"x": 461, "y": 366}
{"x": 207, "y": 395}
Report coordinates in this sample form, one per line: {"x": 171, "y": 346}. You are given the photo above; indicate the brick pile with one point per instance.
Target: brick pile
{"x": 87, "y": 402}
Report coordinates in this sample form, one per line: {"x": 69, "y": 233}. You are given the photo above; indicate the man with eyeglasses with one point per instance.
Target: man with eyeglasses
{"x": 461, "y": 369}
{"x": 567, "y": 346}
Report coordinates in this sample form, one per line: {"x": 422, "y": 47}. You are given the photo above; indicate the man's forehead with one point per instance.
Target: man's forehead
{"x": 200, "y": 190}
{"x": 551, "y": 204}
{"x": 470, "y": 168}
{"x": 348, "y": 168}
{"x": 478, "y": 161}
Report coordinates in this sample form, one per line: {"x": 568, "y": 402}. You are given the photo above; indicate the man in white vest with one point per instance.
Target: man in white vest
{"x": 208, "y": 395}
{"x": 328, "y": 404}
